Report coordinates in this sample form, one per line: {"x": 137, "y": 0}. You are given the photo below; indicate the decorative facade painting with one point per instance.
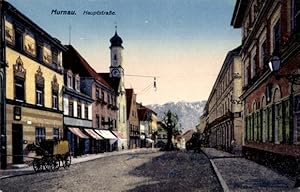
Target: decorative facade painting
{"x": 9, "y": 32}
{"x": 29, "y": 44}
{"x": 47, "y": 56}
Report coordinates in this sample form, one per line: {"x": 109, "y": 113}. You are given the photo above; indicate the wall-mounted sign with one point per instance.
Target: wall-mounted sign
{"x": 17, "y": 113}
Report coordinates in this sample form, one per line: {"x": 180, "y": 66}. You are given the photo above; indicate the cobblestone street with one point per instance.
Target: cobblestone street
{"x": 142, "y": 171}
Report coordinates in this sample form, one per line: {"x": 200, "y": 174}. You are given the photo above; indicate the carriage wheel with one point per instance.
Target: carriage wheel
{"x": 55, "y": 163}
{"x": 37, "y": 165}
{"x": 52, "y": 164}
{"x": 67, "y": 161}
{"x": 48, "y": 163}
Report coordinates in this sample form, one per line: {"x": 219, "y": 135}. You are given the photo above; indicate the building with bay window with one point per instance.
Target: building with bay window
{"x": 270, "y": 100}
{"x": 34, "y": 81}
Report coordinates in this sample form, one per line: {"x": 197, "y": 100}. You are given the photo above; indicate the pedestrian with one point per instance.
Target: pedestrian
{"x": 233, "y": 146}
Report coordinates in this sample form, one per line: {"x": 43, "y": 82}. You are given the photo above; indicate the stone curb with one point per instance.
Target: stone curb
{"x": 219, "y": 176}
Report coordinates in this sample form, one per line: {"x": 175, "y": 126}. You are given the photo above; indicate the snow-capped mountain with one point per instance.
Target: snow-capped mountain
{"x": 188, "y": 112}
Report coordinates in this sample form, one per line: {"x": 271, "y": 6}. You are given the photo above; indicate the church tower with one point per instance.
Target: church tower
{"x": 116, "y": 56}
{"x": 117, "y": 75}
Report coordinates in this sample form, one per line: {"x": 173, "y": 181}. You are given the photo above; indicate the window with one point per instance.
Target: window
{"x": 39, "y": 52}
{"x": 71, "y": 108}
{"x": 97, "y": 121}
{"x": 102, "y": 120}
{"x": 55, "y": 57}
{"x": 55, "y": 133}
{"x": 19, "y": 40}
{"x": 276, "y": 36}
{"x": 115, "y": 57}
{"x": 79, "y": 110}
{"x": 286, "y": 120}
{"x": 54, "y": 100}
{"x": 39, "y": 96}
{"x": 264, "y": 57}
{"x": 97, "y": 93}
{"x": 40, "y": 134}
{"x": 296, "y": 15}
{"x": 253, "y": 66}
{"x": 19, "y": 90}
{"x": 70, "y": 81}
{"x": 102, "y": 95}
{"x": 77, "y": 84}
{"x": 86, "y": 112}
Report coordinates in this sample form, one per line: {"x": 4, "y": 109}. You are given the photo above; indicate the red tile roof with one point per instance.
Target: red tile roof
{"x": 73, "y": 60}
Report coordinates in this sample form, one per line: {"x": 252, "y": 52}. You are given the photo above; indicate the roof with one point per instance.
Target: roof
{"x": 113, "y": 82}
{"x": 239, "y": 13}
{"x": 143, "y": 111}
{"x": 228, "y": 61}
{"x": 116, "y": 41}
{"x": 73, "y": 60}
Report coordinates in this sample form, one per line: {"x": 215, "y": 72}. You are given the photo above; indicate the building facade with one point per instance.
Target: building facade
{"x": 132, "y": 119}
{"x": 34, "y": 81}
{"x": 270, "y": 101}
{"x": 103, "y": 110}
{"x": 78, "y": 116}
{"x": 147, "y": 122}
{"x": 223, "y": 113}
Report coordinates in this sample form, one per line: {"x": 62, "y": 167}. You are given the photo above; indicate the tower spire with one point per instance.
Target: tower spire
{"x": 116, "y": 27}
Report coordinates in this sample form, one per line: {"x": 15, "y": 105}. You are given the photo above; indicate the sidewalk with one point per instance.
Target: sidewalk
{"x": 89, "y": 157}
{"x": 236, "y": 173}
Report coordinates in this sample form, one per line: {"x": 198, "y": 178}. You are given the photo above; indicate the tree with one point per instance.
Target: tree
{"x": 173, "y": 128}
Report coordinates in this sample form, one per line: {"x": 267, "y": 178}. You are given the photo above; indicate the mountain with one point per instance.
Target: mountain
{"x": 188, "y": 112}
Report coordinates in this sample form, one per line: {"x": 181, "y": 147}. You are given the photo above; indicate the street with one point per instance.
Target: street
{"x": 140, "y": 171}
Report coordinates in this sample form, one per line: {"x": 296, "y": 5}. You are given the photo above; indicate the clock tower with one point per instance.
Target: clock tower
{"x": 116, "y": 56}
{"x": 117, "y": 75}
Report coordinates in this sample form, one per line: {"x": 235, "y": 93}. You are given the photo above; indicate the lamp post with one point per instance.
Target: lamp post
{"x": 294, "y": 79}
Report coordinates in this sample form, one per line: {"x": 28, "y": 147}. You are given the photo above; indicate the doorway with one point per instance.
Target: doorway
{"x": 17, "y": 143}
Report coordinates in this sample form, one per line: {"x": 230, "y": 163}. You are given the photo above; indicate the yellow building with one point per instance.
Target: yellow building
{"x": 34, "y": 81}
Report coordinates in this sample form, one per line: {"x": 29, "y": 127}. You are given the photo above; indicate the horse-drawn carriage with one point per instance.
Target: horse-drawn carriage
{"x": 51, "y": 155}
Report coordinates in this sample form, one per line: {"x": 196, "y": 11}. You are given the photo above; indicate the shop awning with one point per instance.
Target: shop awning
{"x": 76, "y": 131}
{"x": 119, "y": 136}
{"x": 93, "y": 134}
{"x": 106, "y": 134}
{"x": 149, "y": 140}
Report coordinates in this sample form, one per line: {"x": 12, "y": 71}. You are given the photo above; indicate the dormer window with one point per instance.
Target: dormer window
{"x": 70, "y": 79}
{"x": 77, "y": 83}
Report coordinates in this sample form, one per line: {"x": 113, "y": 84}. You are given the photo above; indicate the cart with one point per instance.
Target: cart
{"x": 51, "y": 155}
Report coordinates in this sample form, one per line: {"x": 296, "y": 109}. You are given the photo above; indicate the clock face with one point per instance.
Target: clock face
{"x": 115, "y": 73}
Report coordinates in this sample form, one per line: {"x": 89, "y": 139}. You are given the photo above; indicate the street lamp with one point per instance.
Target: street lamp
{"x": 294, "y": 79}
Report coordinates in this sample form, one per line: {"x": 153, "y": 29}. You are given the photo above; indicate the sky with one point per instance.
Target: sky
{"x": 181, "y": 43}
